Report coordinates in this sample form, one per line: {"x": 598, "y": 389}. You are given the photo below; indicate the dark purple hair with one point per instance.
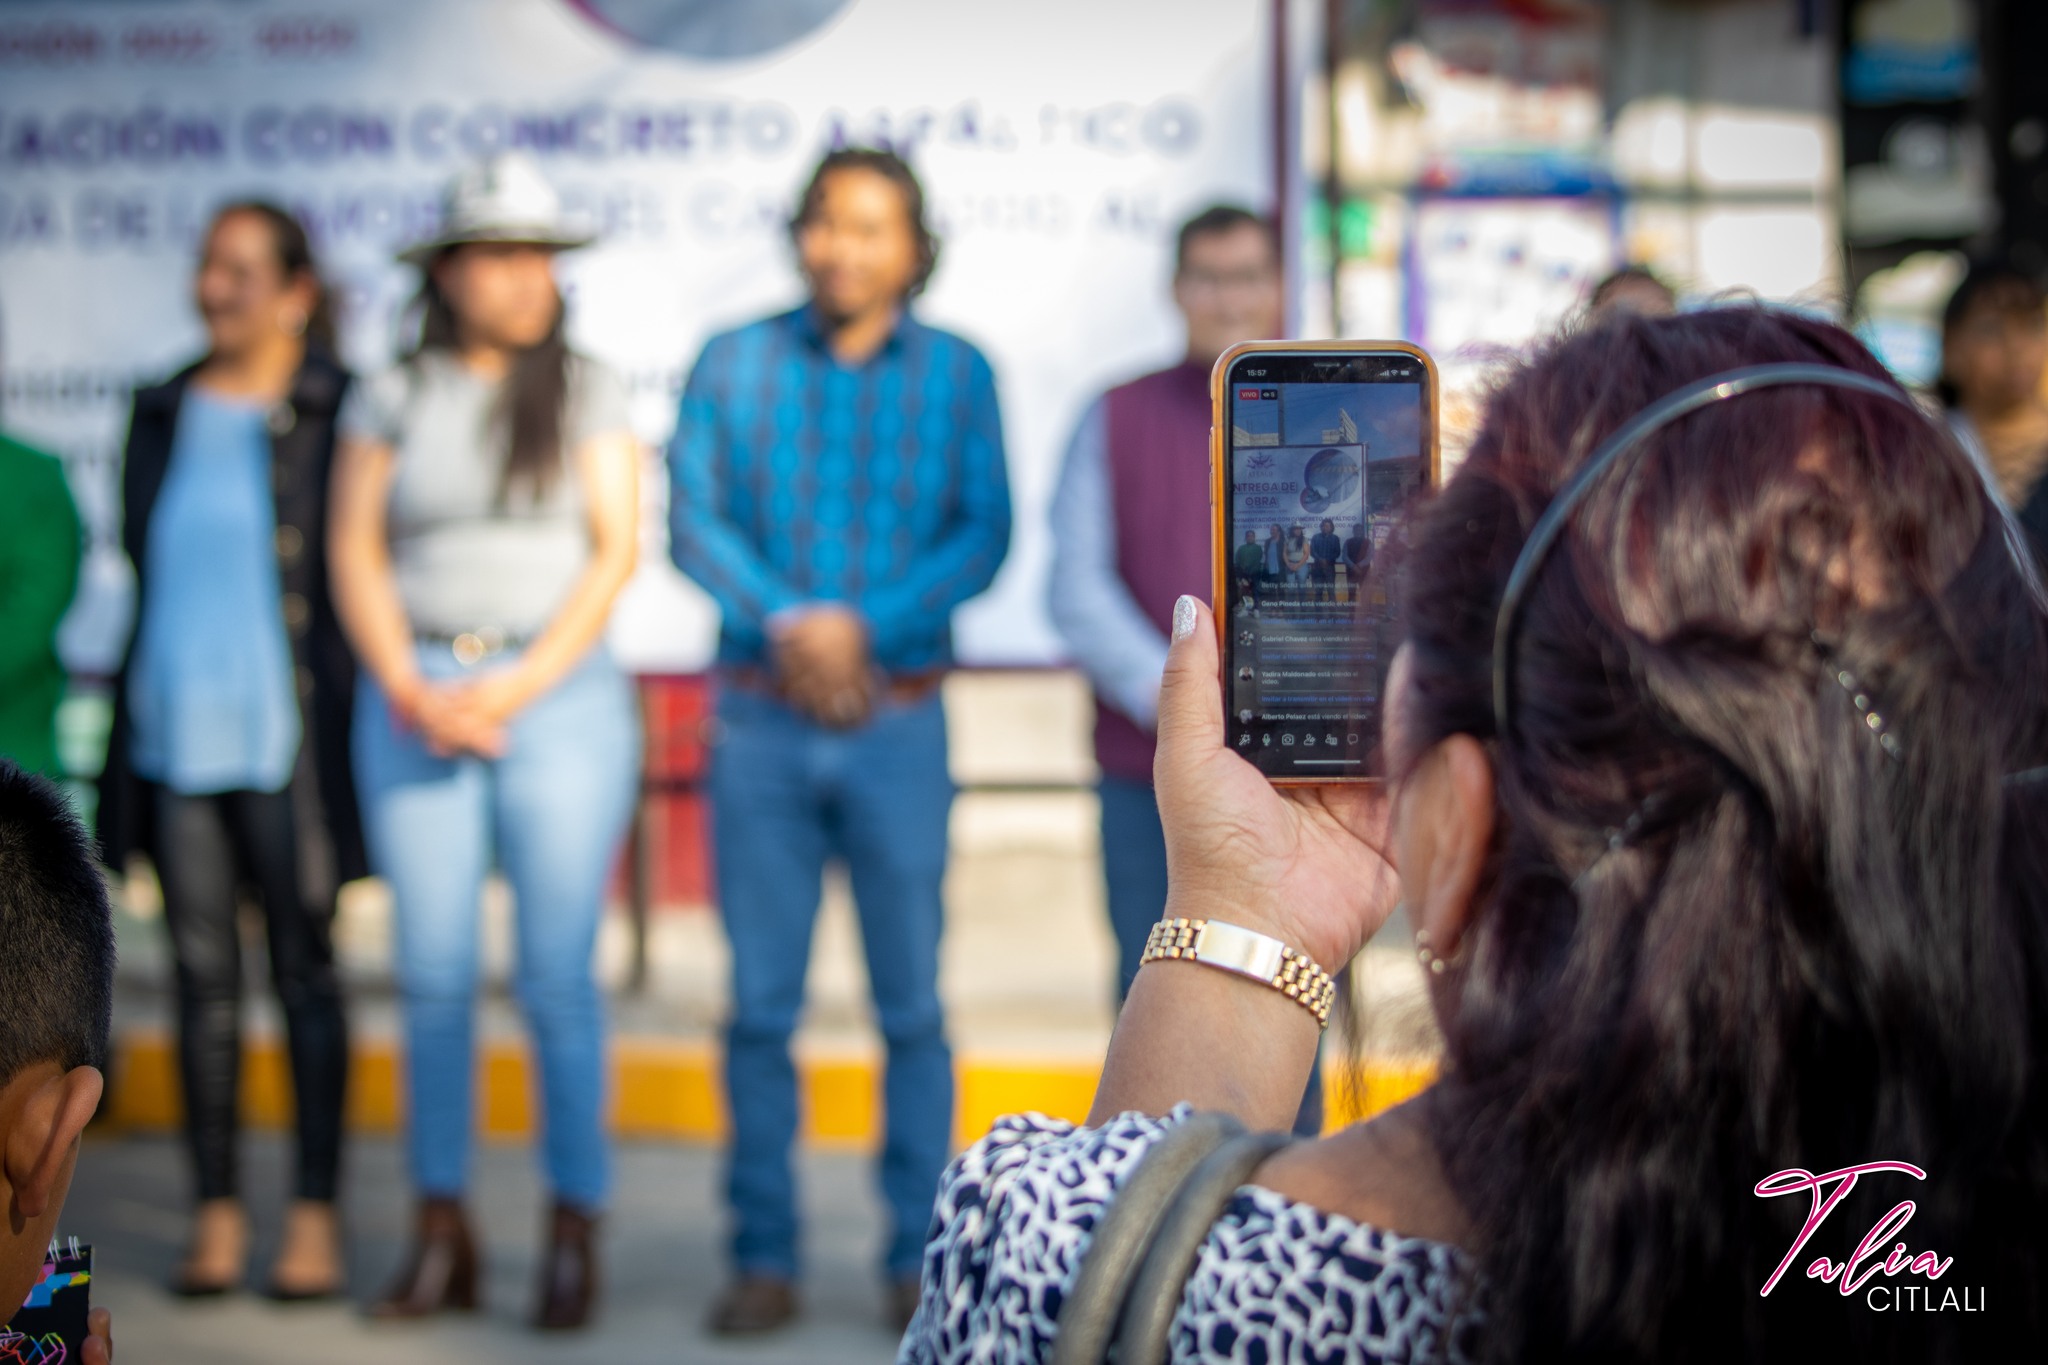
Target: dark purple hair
{"x": 1808, "y": 953}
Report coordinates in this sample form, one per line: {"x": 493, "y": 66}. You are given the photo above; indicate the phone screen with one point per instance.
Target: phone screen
{"x": 1325, "y": 452}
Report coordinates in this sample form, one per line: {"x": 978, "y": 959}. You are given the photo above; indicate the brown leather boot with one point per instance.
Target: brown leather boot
{"x": 753, "y": 1304}
{"x": 441, "y": 1271}
{"x": 568, "y": 1271}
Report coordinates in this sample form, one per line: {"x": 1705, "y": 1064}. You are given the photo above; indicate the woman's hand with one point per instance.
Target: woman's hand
{"x": 1304, "y": 865}
{"x": 1307, "y": 865}
{"x": 469, "y": 716}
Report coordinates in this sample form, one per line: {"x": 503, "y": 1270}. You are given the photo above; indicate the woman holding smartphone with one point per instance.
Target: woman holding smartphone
{"x": 485, "y": 518}
{"x": 228, "y": 761}
{"x": 1720, "y": 822}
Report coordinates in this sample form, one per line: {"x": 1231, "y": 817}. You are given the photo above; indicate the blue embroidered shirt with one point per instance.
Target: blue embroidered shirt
{"x": 797, "y": 478}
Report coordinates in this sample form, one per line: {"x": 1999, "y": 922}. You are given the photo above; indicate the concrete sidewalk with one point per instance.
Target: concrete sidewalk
{"x": 662, "y": 1250}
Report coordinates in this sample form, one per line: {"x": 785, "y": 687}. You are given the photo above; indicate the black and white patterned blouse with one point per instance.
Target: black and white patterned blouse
{"x": 1277, "y": 1281}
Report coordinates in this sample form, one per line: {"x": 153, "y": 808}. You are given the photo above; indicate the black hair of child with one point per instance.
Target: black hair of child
{"x": 56, "y": 932}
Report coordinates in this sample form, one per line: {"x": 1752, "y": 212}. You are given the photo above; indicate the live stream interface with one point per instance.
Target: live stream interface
{"x": 1321, "y": 474}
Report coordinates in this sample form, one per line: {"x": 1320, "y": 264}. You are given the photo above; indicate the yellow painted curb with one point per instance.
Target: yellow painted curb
{"x": 670, "y": 1089}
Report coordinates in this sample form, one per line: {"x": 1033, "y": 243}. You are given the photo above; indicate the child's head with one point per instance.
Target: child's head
{"x": 57, "y": 941}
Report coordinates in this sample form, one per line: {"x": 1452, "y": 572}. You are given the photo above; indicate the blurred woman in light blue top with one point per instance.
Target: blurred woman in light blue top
{"x": 210, "y": 682}
{"x": 227, "y": 759}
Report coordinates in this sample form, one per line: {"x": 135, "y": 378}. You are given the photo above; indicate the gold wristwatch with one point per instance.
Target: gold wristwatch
{"x": 1258, "y": 956}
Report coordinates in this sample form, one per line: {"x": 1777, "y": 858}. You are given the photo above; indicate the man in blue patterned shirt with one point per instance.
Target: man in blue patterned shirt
{"x": 839, "y": 488}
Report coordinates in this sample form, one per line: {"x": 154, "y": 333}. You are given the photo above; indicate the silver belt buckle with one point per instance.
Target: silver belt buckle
{"x": 474, "y": 646}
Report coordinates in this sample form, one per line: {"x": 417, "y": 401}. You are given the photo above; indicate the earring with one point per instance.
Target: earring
{"x": 292, "y": 323}
{"x": 1430, "y": 961}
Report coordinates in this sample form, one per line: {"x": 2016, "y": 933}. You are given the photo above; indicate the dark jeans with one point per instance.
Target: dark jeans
{"x": 1134, "y": 866}
{"x": 788, "y": 796}
{"x": 213, "y": 847}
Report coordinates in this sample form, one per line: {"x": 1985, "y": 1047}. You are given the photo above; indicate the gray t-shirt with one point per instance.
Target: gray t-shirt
{"x": 467, "y": 559}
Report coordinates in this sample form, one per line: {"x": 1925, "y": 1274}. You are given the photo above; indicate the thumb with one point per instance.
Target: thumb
{"x": 99, "y": 1339}
{"x": 1190, "y": 695}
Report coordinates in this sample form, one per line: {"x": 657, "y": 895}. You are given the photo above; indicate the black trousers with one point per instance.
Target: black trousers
{"x": 213, "y": 848}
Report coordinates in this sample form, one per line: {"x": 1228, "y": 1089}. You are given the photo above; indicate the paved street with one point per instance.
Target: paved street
{"x": 662, "y": 1249}
{"x": 1027, "y": 979}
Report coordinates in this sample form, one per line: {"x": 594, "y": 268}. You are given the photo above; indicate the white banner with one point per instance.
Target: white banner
{"x": 1060, "y": 143}
{"x": 1295, "y": 488}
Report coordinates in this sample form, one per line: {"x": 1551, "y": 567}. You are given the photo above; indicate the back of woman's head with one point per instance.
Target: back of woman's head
{"x": 1760, "y": 897}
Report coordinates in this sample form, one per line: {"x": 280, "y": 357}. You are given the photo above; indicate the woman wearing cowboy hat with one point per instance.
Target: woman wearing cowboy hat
{"x": 485, "y": 518}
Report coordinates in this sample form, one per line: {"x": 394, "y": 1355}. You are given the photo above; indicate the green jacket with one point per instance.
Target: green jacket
{"x": 39, "y": 549}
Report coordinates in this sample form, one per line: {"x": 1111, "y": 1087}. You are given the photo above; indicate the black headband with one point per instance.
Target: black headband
{"x": 1632, "y": 433}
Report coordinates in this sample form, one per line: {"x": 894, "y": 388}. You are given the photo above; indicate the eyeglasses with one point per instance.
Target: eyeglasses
{"x": 1211, "y": 281}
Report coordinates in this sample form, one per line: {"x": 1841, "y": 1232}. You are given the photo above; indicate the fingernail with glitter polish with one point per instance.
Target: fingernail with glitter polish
{"x": 1183, "y": 618}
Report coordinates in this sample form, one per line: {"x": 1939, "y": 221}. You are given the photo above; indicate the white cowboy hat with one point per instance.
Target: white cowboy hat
{"x": 502, "y": 199}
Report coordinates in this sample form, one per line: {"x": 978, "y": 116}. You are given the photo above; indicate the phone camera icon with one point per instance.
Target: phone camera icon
{"x": 1287, "y": 740}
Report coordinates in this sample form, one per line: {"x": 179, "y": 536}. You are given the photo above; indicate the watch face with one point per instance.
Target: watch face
{"x": 713, "y": 29}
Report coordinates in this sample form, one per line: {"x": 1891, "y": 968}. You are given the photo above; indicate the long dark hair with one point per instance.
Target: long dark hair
{"x": 1804, "y": 952}
{"x": 535, "y": 393}
{"x": 294, "y": 259}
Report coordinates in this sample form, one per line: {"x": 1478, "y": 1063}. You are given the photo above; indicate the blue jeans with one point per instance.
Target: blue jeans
{"x": 1134, "y": 866}
{"x": 551, "y": 814}
{"x": 786, "y": 795}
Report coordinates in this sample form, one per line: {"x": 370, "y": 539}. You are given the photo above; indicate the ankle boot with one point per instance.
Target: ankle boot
{"x": 441, "y": 1271}
{"x": 568, "y": 1271}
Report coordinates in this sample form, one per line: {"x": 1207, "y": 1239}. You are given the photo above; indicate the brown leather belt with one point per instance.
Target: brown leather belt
{"x": 897, "y": 689}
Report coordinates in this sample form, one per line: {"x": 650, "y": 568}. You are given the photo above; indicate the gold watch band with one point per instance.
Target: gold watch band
{"x": 1258, "y": 956}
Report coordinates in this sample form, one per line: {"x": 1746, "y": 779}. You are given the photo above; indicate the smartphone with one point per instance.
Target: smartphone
{"x": 1318, "y": 452}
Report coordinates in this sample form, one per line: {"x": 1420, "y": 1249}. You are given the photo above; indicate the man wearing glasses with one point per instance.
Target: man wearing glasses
{"x": 1130, "y": 522}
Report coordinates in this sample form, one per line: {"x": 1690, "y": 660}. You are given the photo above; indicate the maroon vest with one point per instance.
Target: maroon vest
{"x": 1159, "y": 495}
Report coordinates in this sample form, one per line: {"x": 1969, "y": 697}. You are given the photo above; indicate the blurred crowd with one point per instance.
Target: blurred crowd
{"x": 370, "y": 639}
